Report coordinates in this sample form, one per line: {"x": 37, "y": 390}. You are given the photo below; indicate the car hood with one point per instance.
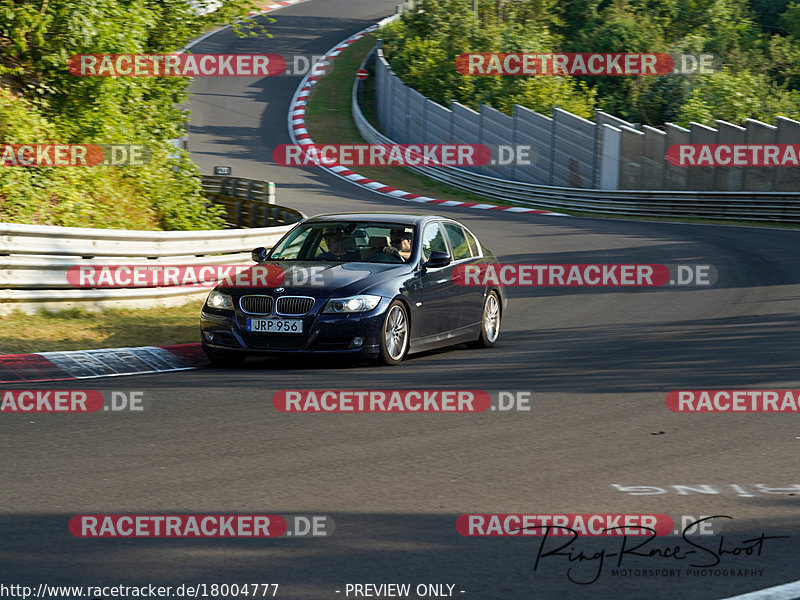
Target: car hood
{"x": 320, "y": 278}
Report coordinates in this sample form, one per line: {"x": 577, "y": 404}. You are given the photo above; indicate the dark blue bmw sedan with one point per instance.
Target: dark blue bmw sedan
{"x": 369, "y": 285}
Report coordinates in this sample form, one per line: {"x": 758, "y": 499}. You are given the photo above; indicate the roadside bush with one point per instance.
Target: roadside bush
{"x": 40, "y": 101}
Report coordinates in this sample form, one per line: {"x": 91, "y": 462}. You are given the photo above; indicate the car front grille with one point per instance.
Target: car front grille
{"x": 294, "y": 305}
{"x": 256, "y": 305}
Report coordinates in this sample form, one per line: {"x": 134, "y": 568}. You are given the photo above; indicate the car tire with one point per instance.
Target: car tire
{"x": 224, "y": 358}
{"x": 394, "y": 334}
{"x": 490, "y": 322}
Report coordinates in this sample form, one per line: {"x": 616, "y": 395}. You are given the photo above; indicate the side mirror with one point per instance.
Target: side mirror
{"x": 259, "y": 255}
{"x": 438, "y": 259}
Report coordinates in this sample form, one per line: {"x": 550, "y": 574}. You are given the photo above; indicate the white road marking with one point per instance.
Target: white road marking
{"x": 789, "y": 591}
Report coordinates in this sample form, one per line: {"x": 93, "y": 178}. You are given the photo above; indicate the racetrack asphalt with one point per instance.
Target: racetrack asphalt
{"x": 598, "y": 361}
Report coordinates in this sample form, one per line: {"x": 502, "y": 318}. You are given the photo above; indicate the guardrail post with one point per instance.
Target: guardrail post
{"x": 238, "y": 214}
{"x": 271, "y": 192}
{"x": 253, "y": 215}
{"x": 610, "y": 151}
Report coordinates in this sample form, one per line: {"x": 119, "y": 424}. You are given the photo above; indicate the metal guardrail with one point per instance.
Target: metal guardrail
{"x": 747, "y": 206}
{"x": 34, "y": 259}
{"x": 248, "y": 203}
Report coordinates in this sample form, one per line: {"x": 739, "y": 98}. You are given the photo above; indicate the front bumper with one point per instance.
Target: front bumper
{"x": 322, "y": 333}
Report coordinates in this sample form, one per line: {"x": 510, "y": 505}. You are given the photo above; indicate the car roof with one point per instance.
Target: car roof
{"x": 399, "y": 218}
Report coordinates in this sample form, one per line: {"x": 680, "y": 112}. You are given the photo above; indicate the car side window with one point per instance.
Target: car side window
{"x": 458, "y": 240}
{"x": 473, "y": 243}
{"x": 432, "y": 240}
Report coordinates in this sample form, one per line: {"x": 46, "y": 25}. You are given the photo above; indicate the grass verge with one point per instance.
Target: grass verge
{"x": 329, "y": 120}
{"x": 81, "y": 330}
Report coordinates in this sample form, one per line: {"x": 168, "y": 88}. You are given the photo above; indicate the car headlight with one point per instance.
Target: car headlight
{"x": 351, "y": 304}
{"x": 219, "y": 300}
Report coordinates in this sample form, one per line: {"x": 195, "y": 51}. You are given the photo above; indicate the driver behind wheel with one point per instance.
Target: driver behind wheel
{"x": 401, "y": 244}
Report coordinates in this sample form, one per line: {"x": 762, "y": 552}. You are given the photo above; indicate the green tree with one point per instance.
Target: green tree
{"x": 790, "y": 19}
{"x": 37, "y": 37}
{"x": 768, "y": 13}
{"x": 621, "y": 29}
{"x": 422, "y": 49}
{"x": 784, "y": 66}
{"x": 736, "y": 97}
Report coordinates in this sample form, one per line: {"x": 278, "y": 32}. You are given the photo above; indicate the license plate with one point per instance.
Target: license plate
{"x": 275, "y": 325}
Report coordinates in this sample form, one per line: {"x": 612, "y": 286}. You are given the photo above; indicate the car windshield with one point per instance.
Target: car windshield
{"x": 346, "y": 241}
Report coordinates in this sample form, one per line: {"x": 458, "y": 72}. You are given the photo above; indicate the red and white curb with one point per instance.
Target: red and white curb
{"x": 300, "y": 136}
{"x": 106, "y": 362}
